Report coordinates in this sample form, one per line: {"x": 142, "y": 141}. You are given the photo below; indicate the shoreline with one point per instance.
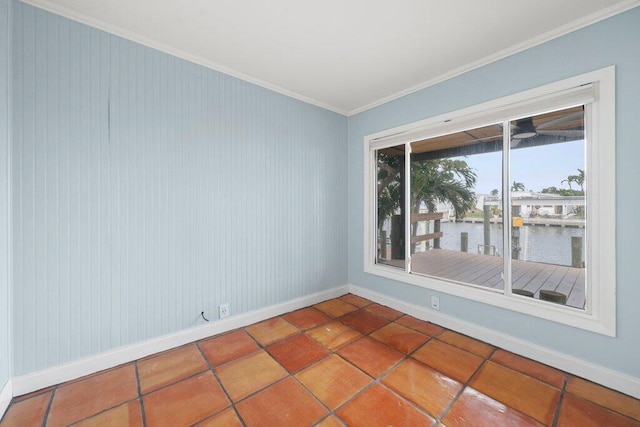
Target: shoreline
{"x": 536, "y": 222}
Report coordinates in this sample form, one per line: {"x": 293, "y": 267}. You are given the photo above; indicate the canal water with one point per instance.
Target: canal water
{"x": 539, "y": 243}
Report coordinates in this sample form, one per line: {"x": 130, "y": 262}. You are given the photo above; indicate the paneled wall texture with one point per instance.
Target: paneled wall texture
{"x": 5, "y": 307}
{"x": 147, "y": 189}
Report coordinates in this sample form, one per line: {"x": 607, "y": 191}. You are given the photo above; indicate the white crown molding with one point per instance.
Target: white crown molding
{"x": 154, "y": 44}
{"x": 520, "y": 47}
{"x": 599, "y": 374}
{"x": 5, "y": 397}
{"x": 163, "y": 47}
{"x": 33, "y": 381}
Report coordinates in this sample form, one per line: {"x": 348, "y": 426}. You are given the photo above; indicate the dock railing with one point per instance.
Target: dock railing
{"x": 436, "y": 217}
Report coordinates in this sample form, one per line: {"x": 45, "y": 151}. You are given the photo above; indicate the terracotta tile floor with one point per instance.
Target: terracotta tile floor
{"x": 342, "y": 362}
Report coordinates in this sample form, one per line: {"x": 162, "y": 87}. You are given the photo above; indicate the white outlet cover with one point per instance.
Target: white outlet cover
{"x": 223, "y": 310}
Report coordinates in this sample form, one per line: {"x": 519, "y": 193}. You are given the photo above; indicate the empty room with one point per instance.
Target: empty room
{"x": 290, "y": 213}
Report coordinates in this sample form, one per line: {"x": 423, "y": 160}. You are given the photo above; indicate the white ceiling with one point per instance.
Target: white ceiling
{"x": 344, "y": 55}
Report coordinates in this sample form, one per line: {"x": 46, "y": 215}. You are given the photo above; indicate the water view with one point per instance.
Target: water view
{"x": 551, "y": 245}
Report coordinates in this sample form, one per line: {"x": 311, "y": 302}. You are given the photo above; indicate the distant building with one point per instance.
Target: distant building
{"x": 529, "y": 204}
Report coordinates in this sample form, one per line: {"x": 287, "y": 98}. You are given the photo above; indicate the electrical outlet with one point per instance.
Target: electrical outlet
{"x": 435, "y": 303}
{"x": 223, "y": 309}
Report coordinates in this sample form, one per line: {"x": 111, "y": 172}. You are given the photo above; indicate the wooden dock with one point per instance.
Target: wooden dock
{"x": 484, "y": 270}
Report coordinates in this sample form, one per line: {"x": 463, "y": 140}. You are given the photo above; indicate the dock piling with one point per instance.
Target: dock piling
{"x": 487, "y": 231}
{"x": 576, "y": 252}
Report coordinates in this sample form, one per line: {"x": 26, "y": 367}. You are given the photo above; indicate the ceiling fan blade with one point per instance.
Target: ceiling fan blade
{"x": 569, "y": 133}
{"x": 559, "y": 121}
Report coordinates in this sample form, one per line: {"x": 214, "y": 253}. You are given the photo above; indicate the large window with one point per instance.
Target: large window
{"x": 510, "y": 202}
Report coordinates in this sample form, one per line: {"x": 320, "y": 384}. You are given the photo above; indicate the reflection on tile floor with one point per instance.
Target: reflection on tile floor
{"x": 346, "y": 361}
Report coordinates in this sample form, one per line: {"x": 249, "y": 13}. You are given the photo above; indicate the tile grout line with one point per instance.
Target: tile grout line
{"x": 333, "y": 352}
{"x": 213, "y": 372}
{"x": 378, "y": 380}
{"x": 258, "y": 343}
{"x": 630, "y": 417}
{"x": 126, "y": 402}
{"x": 406, "y": 357}
{"x": 367, "y": 312}
{"x": 253, "y": 393}
{"x": 140, "y": 396}
{"x": 528, "y": 376}
{"x": 261, "y": 347}
{"x": 195, "y": 374}
{"x": 556, "y": 415}
{"x": 49, "y": 405}
{"x": 330, "y": 353}
{"x": 447, "y": 408}
{"x": 301, "y": 331}
{"x": 465, "y": 385}
{"x": 316, "y": 398}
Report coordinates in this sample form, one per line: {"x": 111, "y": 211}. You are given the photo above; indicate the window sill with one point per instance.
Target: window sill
{"x": 545, "y": 310}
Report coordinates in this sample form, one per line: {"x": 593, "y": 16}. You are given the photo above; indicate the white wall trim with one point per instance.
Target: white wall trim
{"x": 44, "y": 378}
{"x": 28, "y": 383}
{"x": 600, "y": 15}
{"x": 5, "y": 397}
{"x": 599, "y": 374}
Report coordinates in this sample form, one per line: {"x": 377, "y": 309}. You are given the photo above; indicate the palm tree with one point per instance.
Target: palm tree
{"x": 495, "y": 192}
{"x": 388, "y": 202}
{"x": 388, "y": 171}
{"x": 577, "y": 179}
{"x": 441, "y": 181}
{"x": 432, "y": 182}
{"x": 517, "y": 186}
{"x": 389, "y": 190}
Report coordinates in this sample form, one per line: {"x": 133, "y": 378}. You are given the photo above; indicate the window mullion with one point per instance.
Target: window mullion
{"x": 506, "y": 207}
{"x": 407, "y": 207}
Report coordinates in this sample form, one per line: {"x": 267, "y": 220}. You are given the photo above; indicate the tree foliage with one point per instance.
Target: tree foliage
{"x": 388, "y": 186}
{"x": 562, "y": 191}
{"x": 443, "y": 181}
{"x": 517, "y": 186}
{"x": 432, "y": 182}
{"x": 576, "y": 179}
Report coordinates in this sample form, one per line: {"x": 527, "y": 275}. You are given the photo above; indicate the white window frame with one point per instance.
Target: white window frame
{"x": 600, "y": 311}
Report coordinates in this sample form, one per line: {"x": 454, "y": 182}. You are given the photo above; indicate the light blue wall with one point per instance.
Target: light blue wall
{"x": 610, "y": 42}
{"x": 148, "y": 189}
{"x": 5, "y": 307}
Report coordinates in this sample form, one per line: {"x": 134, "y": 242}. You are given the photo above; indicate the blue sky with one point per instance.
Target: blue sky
{"x": 535, "y": 167}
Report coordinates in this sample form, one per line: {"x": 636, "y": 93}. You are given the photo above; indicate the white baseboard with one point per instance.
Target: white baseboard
{"x": 44, "y": 378}
{"x": 5, "y": 397}
{"x": 28, "y": 383}
{"x": 599, "y": 374}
